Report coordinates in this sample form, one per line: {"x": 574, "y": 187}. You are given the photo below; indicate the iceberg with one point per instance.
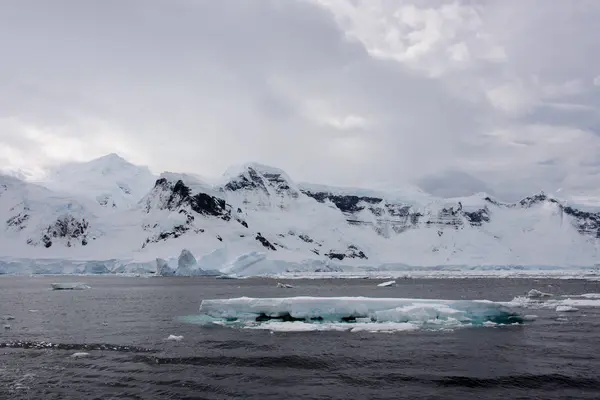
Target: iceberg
{"x": 387, "y": 284}
{"x": 319, "y": 310}
{"x": 69, "y": 286}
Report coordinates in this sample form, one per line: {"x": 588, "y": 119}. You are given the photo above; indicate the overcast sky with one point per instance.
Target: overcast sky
{"x": 457, "y": 96}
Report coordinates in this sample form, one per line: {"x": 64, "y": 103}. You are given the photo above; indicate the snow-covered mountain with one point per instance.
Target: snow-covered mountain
{"x": 110, "y": 215}
{"x": 111, "y": 181}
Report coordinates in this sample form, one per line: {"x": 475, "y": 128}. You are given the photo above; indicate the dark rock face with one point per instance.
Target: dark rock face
{"x": 346, "y": 203}
{"x": 265, "y": 242}
{"x": 202, "y": 203}
{"x": 477, "y": 218}
{"x": 351, "y": 252}
{"x": 587, "y": 223}
{"x": 178, "y": 197}
{"x": 66, "y": 227}
{"x": 252, "y": 182}
{"x": 18, "y": 221}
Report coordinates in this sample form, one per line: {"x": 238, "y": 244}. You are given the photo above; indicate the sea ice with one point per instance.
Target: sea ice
{"x": 361, "y": 310}
{"x": 79, "y": 355}
{"x": 69, "y": 286}
{"x": 387, "y": 284}
{"x": 591, "y": 296}
{"x": 226, "y": 277}
{"x": 284, "y": 285}
{"x": 175, "y": 338}
{"x": 566, "y": 309}
{"x": 536, "y": 294}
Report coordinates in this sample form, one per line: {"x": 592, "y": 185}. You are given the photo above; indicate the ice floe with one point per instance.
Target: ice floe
{"x": 560, "y": 305}
{"x": 284, "y": 285}
{"x": 352, "y": 313}
{"x": 566, "y": 309}
{"x": 69, "y": 286}
{"x": 387, "y": 284}
{"x": 80, "y": 355}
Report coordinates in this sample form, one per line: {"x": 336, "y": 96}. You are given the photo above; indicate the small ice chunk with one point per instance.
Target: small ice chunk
{"x": 591, "y": 296}
{"x": 34, "y": 311}
{"x": 175, "y": 338}
{"x": 80, "y": 355}
{"x": 8, "y": 318}
{"x": 387, "y": 284}
{"x": 284, "y": 285}
{"x": 226, "y": 277}
{"x": 6, "y": 326}
{"x": 530, "y": 317}
{"x": 69, "y": 286}
{"x": 536, "y": 294}
{"x": 566, "y": 309}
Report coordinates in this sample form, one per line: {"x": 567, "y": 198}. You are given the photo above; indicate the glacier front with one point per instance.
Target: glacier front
{"x": 346, "y": 313}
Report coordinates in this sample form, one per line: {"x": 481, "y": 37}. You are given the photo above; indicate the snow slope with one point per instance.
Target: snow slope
{"x": 108, "y": 214}
{"x": 110, "y": 180}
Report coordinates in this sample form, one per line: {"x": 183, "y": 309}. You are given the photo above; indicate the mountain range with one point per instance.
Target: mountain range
{"x": 109, "y": 215}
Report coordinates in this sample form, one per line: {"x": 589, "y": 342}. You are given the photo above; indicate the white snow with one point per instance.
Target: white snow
{"x": 338, "y": 310}
{"x": 387, "y": 284}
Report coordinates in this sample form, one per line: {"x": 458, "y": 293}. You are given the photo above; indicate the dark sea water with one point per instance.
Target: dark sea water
{"x": 123, "y": 323}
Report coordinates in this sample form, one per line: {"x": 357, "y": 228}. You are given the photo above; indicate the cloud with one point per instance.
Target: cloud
{"x": 333, "y": 91}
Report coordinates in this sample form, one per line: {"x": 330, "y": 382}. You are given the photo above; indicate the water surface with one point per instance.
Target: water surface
{"x": 122, "y": 323}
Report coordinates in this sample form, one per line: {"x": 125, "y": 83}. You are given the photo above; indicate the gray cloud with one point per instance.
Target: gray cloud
{"x": 332, "y": 91}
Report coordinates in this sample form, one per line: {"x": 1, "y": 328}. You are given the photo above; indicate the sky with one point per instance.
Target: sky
{"x": 455, "y": 96}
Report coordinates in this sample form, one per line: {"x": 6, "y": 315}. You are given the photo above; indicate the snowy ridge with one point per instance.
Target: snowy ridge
{"x": 257, "y": 221}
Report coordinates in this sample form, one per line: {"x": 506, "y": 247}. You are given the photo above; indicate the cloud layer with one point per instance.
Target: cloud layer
{"x": 457, "y": 96}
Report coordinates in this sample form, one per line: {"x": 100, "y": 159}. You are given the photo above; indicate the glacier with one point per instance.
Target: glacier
{"x": 108, "y": 216}
{"x": 358, "y": 313}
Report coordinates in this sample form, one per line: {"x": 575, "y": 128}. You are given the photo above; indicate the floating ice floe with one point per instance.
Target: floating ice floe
{"x": 7, "y": 318}
{"x": 352, "y": 313}
{"x": 226, "y": 277}
{"x": 80, "y": 355}
{"x": 560, "y": 305}
{"x": 175, "y": 338}
{"x": 7, "y": 327}
{"x": 566, "y": 309}
{"x": 536, "y": 294}
{"x": 387, "y": 284}
{"x": 284, "y": 285}
{"x": 69, "y": 286}
{"x": 591, "y": 296}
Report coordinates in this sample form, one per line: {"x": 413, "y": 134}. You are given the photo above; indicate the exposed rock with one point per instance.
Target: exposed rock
{"x": 265, "y": 242}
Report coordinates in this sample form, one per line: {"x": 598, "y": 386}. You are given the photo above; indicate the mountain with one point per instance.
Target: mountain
{"x": 257, "y": 220}
{"x": 111, "y": 180}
